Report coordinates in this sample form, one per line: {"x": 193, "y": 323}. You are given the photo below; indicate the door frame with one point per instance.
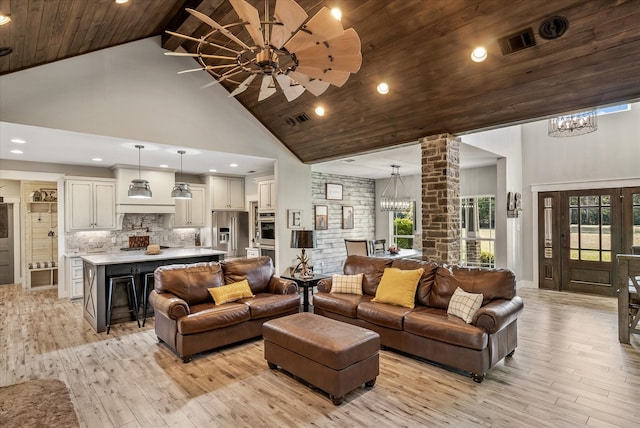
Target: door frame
{"x": 17, "y": 235}
{"x": 552, "y": 187}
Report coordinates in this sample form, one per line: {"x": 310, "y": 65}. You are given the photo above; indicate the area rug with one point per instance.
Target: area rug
{"x": 37, "y": 403}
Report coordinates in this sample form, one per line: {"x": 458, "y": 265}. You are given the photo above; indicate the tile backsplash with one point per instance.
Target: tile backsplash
{"x": 132, "y": 225}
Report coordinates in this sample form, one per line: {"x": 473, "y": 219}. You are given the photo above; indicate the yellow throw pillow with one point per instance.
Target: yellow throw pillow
{"x": 398, "y": 287}
{"x": 230, "y": 292}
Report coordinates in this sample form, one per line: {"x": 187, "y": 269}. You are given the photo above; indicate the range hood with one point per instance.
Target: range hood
{"x": 161, "y": 183}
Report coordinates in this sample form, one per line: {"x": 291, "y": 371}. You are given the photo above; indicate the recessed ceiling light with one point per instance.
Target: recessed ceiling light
{"x": 320, "y": 111}
{"x": 17, "y": 152}
{"x": 164, "y": 166}
{"x": 383, "y": 88}
{"x": 337, "y": 13}
{"x": 212, "y": 170}
{"x": 18, "y": 141}
{"x": 97, "y": 159}
{"x": 121, "y": 1}
{"x": 233, "y": 165}
{"x": 4, "y": 19}
{"x": 479, "y": 54}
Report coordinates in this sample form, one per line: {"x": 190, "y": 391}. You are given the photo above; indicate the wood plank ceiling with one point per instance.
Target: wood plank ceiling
{"x": 420, "y": 48}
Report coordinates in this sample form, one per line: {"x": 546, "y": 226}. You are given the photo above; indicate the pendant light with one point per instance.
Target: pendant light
{"x": 395, "y": 202}
{"x": 139, "y": 188}
{"x": 181, "y": 189}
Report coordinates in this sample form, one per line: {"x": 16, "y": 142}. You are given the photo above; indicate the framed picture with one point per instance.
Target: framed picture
{"x": 294, "y": 219}
{"x": 347, "y": 217}
{"x": 321, "y": 218}
{"x": 49, "y": 195}
{"x": 334, "y": 191}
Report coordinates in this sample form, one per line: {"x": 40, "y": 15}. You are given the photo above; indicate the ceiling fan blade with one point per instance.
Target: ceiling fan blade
{"x": 195, "y": 55}
{"x": 336, "y": 78}
{"x": 267, "y": 88}
{"x": 290, "y": 87}
{"x": 194, "y": 39}
{"x": 249, "y": 14}
{"x": 291, "y": 16}
{"x": 315, "y": 86}
{"x": 213, "y": 24}
{"x": 322, "y": 26}
{"x": 341, "y": 53}
{"x": 243, "y": 86}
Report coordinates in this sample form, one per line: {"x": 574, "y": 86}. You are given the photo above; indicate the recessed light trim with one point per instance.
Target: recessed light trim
{"x": 383, "y": 88}
{"x": 320, "y": 111}
{"x": 336, "y": 13}
{"x": 213, "y": 170}
{"x": 121, "y": 1}
{"x": 97, "y": 159}
{"x": 233, "y": 165}
{"x": 4, "y": 19}
{"x": 479, "y": 54}
{"x": 164, "y": 166}
{"x": 18, "y": 141}
{"x": 17, "y": 152}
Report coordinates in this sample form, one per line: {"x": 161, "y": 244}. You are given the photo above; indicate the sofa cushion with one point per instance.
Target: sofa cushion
{"x": 491, "y": 283}
{"x": 398, "y": 287}
{"x": 464, "y": 305}
{"x": 190, "y": 282}
{"x": 426, "y": 280}
{"x": 207, "y": 316}
{"x": 390, "y": 316}
{"x": 265, "y": 305}
{"x": 347, "y": 284}
{"x": 230, "y": 292}
{"x": 342, "y": 304}
{"x": 258, "y": 271}
{"x": 371, "y": 267}
{"x": 436, "y": 324}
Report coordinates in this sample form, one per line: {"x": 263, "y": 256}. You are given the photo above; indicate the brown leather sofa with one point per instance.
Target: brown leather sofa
{"x": 187, "y": 319}
{"x": 427, "y": 331}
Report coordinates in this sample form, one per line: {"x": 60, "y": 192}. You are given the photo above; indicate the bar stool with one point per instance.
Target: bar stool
{"x": 130, "y": 283}
{"x": 144, "y": 299}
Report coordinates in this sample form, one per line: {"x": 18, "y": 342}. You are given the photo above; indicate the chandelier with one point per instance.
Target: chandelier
{"x": 395, "y": 201}
{"x": 290, "y": 49}
{"x": 573, "y": 124}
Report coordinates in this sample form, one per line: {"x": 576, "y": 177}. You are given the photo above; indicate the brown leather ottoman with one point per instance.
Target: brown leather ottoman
{"x": 331, "y": 355}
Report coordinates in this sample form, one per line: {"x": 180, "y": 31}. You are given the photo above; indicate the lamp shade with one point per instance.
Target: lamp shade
{"x": 303, "y": 239}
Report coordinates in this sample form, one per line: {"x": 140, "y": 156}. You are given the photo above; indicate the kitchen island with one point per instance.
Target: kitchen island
{"x": 98, "y": 267}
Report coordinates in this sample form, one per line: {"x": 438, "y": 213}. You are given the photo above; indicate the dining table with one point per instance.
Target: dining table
{"x": 401, "y": 254}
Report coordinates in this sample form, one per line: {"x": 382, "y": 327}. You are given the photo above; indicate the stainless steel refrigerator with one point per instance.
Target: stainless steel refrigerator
{"x": 231, "y": 232}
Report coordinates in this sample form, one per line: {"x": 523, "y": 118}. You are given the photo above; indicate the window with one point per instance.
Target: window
{"x": 478, "y": 231}
{"x": 404, "y": 227}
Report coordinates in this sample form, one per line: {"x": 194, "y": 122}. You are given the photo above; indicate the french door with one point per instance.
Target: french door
{"x": 580, "y": 234}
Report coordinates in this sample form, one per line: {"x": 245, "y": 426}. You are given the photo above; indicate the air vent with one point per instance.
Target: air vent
{"x": 517, "y": 42}
{"x": 553, "y": 27}
{"x": 297, "y": 118}
{"x": 5, "y": 51}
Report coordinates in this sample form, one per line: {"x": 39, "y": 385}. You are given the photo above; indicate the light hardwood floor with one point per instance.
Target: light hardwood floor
{"x": 568, "y": 370}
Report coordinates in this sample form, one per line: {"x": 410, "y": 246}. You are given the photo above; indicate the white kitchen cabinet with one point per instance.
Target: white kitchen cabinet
{"x": 75, "y": 277}
{"x": 267, "y": 195}
{"x": 90, "y": 205}
{"x": 227, "y": 193}
{"x": 253, "y": 252}
{"x": 191, "y": 212}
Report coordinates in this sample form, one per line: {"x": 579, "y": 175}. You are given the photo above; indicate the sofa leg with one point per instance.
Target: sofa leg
{"x": 478, "y": 378}
{"x": 186, "y": 358}
{"x": 336, "y": 400}
{"x": 510, "y": 354}
{"x": 370, "y": 383}
{"x": 272, "y": 366}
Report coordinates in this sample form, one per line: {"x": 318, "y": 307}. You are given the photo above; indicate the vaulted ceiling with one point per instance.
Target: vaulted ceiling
{"x": 420, "y": 48}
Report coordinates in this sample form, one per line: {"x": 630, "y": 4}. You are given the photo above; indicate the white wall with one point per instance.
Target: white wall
{"x": 133, "y": 91}
{"x": 478, "y": 181}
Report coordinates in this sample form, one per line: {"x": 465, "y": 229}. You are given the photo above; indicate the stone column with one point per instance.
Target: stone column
{"x": 441, "y": 198}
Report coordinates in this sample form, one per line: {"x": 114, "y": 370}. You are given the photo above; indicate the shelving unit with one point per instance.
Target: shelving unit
{"x": 41, "y": 249}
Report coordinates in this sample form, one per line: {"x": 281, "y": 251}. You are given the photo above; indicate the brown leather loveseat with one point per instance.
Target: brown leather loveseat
{"x": 188, "y": 320}
{"x": 427, "y": 330}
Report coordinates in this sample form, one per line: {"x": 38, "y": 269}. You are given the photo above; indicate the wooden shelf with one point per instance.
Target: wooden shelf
{"x": 42, "y": 207}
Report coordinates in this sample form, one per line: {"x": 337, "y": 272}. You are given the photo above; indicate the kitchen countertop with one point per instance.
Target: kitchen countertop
{"x": 141, "y": 256}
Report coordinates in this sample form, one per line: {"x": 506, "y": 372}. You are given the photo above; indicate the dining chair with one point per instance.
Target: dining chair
{"x": 378, "y": 245}
{"x": 357, "y": 247}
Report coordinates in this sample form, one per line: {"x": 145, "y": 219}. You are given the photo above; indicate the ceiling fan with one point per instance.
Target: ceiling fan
{"x": 291, "y": 50}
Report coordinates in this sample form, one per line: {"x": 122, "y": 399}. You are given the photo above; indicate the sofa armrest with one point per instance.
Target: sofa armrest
{"x": 497, "y": 314}
{"x": 279, "y": 285}
{"x": 324, "y": 285}
{"x": 169, "y": 305}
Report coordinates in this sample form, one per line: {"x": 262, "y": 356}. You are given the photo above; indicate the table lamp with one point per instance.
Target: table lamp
{"x": 303, "y": 239}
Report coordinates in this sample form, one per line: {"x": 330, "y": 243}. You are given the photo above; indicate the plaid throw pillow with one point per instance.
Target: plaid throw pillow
{"x": 464, "y": 305}
{"x": 347, "y": 284}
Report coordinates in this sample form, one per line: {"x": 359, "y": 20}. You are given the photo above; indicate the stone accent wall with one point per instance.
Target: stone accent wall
{"x": 359, "y": 193}
{"x": 441, "y": 198}
{"x": 474, "y": 251}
